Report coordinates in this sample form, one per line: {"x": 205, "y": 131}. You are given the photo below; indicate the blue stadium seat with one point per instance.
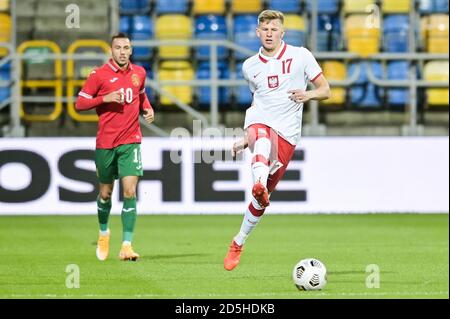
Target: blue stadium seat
{"x": 441, "y": 6}
{"x": 243, "y": 95}
{"x": 396, "y": 33}
{"x": 204, "y": 93}
{"x": 141, "y": 29}
{"x": 171, "y": 6}
{"x": 363, "y": 93}
{"x": 134, "y": 6}
{"x": 125, "y": 24}
{"x": 286, "y": 6}
{"x": 5, "y": 75}
{"x": 324, "y": 6}
{"x": 210, "y": 27}
{"x": 433, "y": 6}
{"x": 328, "y": 32}
{"x": 398, "y": 70}
{"x": 244, "y": 27}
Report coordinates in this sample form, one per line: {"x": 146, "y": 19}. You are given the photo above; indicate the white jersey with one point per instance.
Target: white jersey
{"x": 270, "y": 78}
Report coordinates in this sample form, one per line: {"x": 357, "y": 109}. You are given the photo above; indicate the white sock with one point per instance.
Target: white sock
{"x": 248, "y": 223}
{"x": 260, "y": 170}
{"x": 126, "y": 242}
{"x": 260, "y": 173}
{"x": 104, "y": 233}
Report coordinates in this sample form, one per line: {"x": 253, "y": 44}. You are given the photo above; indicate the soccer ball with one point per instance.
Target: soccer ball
{"x": 310, "y": 274}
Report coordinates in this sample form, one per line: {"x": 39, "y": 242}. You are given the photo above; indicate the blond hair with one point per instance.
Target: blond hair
{"x": 269, "y": 15}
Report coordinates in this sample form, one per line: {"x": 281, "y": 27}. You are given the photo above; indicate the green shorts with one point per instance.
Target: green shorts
{"x": 123, "y": 160}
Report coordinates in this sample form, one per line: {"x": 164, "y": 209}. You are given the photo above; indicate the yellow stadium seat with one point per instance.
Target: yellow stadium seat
{"x": 395, "y": 6}
{"x": 437, "y": 71}
{"x": 294, "y": 22}
{"x": 358, "y": 6}
{"x": 4, "y": 5}
{"x": 5, "y": 31}
{"x": 335, "y": 70}
{"x": 173, "y": 27}
{"x": 246, "y": 6}
{"x": 172, "y": 71}
{"x": 362, "y": 34}
{"x": 437, "y": 33}
{"x": 209, "y": 6}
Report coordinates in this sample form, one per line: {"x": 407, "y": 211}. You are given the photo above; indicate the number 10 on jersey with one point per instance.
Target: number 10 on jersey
{"x": 128, "y": 94}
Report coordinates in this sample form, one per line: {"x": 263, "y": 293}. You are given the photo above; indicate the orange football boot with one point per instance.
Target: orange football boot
{"x": 261, "y": 195}
{"x": 233, "y": 256}
{"x": 102, "y": 251}
{"x": 127, "y": 253}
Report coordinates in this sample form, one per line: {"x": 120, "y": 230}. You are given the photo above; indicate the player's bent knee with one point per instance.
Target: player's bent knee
{"x": 129, "y": 193}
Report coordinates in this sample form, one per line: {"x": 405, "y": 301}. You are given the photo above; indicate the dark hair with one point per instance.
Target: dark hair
{"x": 120, "y": 35}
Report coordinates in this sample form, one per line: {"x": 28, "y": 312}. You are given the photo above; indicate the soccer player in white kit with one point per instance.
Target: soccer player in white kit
{"x": 278, "y": 77}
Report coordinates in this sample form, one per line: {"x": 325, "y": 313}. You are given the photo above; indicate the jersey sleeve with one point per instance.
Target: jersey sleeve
{"x": 87, "y": 97}
{"x": 91, "y": 86}
{"x": 312, "y": 68}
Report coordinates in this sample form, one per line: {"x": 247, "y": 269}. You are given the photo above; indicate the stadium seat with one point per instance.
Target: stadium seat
{"x": 248, "y": 6}
{"x": 204, "y": 93}
{"x": 125, "y": 24}
{"x": 364, "y": 94}
{"x": 361, "y": 37}
{"x": 286, "y": 6}
{"x": 294, "y": 26}
{"x": 244, "y": 27}
{"x": 210, "y": 27}
{"x": 335, "y": 70}
{"x": 4, "y": 5}
{"x": 324, "y": 6}
{"x": 5, "y": 75}
{"x": 328, "y": 33}
{"x": 242, "y": 93}
{"x": 357, "y": 6}
{"x": 134, "y": 6}
{"x": 208, "y": 7}
{"x": 395, "y": 6}
{"x": 433, "y": 6}
{"x": 141, "y": 29}
{"x": 437, "y": 33}
{"x": 176, "y": 70}
{"x": 174, "y": 27}
{"x": 398, "y": 70}
{"x": 172, "y": 6}
{"x": 5, "y": 32}
{"x": 396, "y": 33}
{"x": 437, "y": 71}
{"x": 38, "y": 72}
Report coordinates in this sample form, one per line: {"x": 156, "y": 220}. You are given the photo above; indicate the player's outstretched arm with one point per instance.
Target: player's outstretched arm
{"x": 320, "y": 92}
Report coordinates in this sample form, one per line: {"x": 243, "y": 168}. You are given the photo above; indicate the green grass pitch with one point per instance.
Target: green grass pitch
{"x": 182, "y": 256}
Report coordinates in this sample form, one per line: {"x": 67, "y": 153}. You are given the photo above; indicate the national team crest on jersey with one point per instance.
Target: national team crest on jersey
{"x": 273, "y": 81}
{"x": 135, "y": 80}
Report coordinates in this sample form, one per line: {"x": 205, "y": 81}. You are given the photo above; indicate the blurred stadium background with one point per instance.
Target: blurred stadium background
{"x": 386, "y": 60}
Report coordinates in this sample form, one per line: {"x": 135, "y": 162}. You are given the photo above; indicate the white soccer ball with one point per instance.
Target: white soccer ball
{"x": 310, "y": 274}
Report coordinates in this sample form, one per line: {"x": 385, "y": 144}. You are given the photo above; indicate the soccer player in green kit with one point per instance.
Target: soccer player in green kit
{"x": 117, "y": 91}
